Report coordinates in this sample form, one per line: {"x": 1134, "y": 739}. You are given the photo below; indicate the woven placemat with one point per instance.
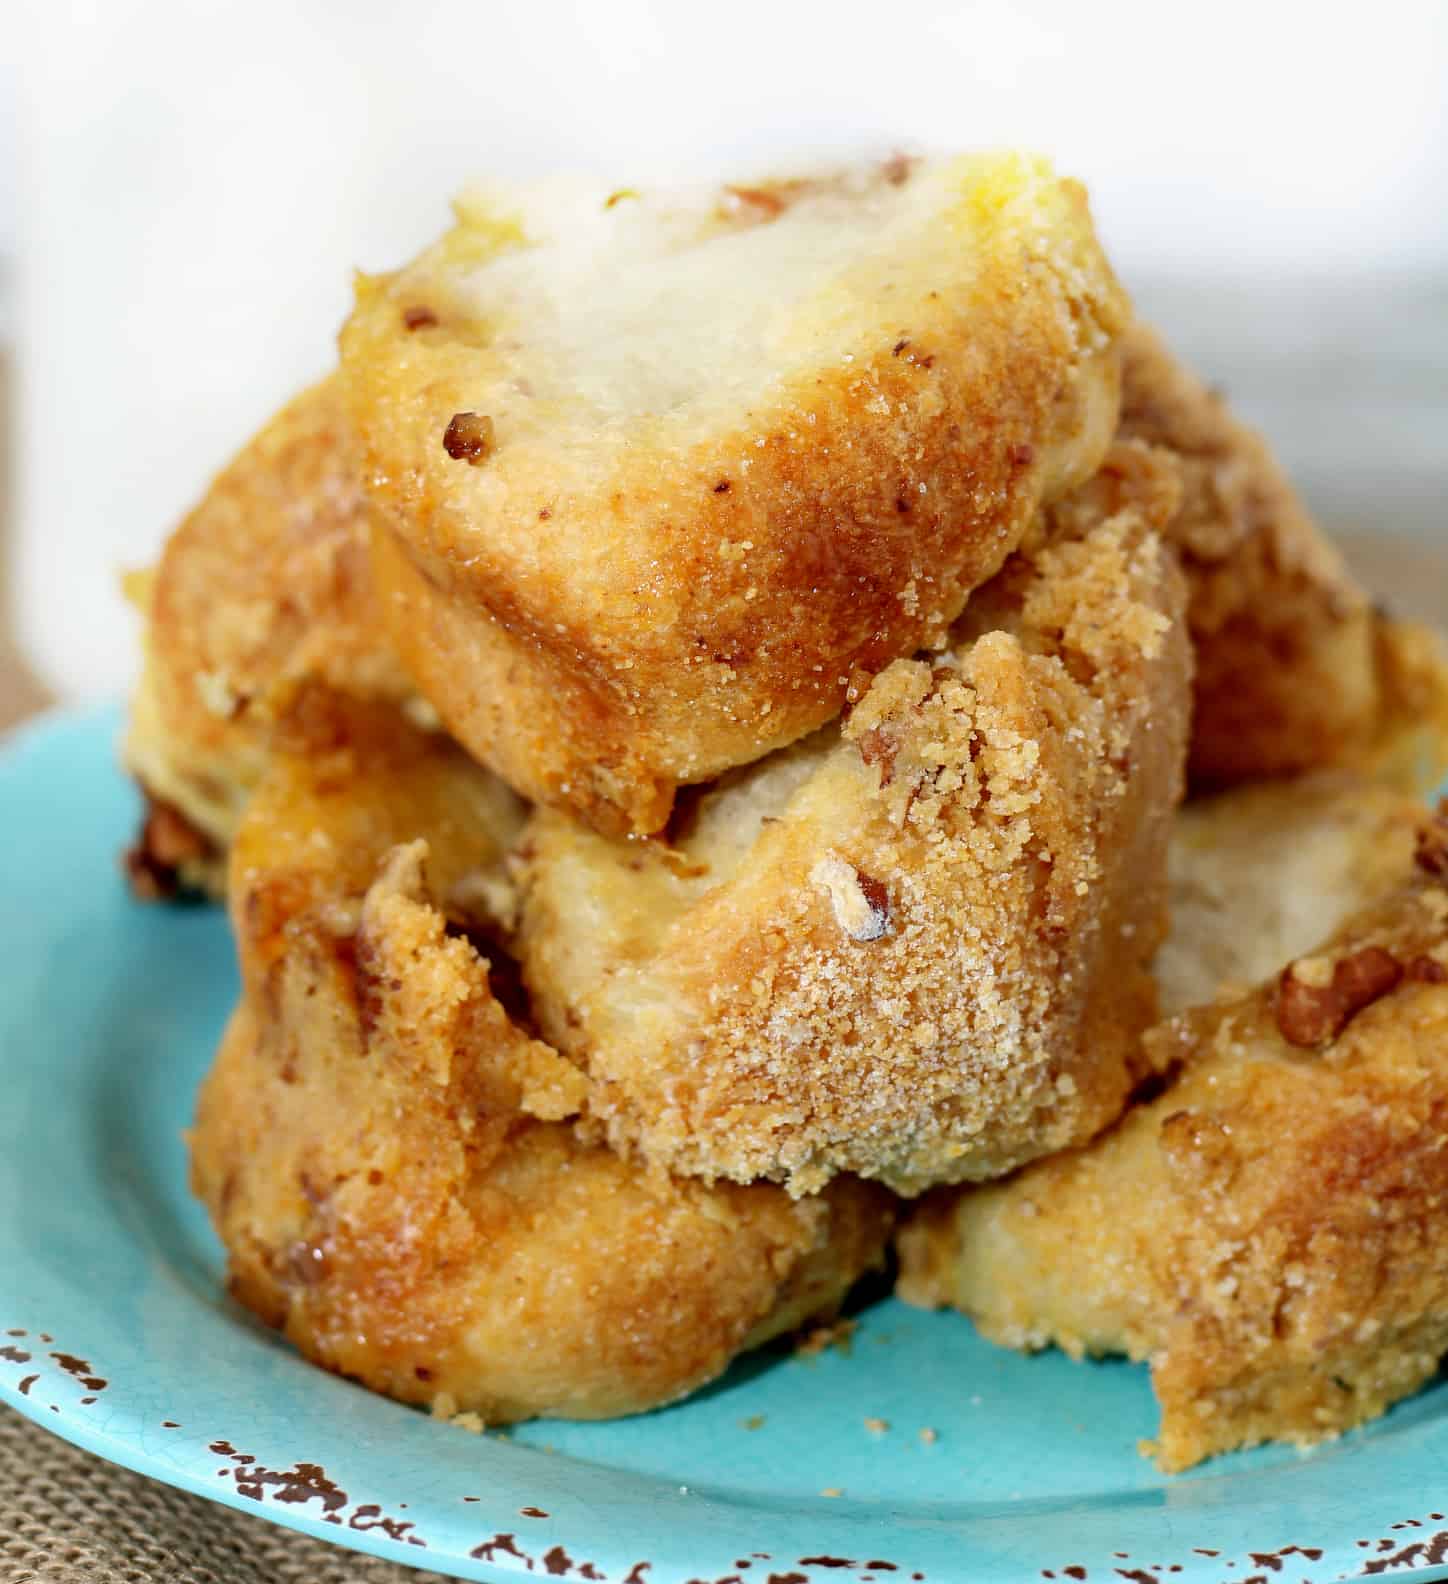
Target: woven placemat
{"x": 69, "y": 1518}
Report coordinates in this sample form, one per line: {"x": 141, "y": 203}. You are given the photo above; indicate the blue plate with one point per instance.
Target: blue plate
{"x": 114, "y": 1332}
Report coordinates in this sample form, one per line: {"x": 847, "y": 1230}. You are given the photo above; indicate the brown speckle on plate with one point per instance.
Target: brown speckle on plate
{"x": 306, "y": 1482}
{"x": 370, "y": 1516}
{"x": 1431, "y": 1552}
{"x": 504, "y": 1544}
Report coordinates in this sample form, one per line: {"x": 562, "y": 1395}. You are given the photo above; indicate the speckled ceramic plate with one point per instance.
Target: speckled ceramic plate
{"x": 114, "y": 1333}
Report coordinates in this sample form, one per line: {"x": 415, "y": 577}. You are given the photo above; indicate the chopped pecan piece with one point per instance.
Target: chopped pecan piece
{"x": 857, "y": 685}
{"x": 878, "y": 747}
{"x": 1311, "y": 1014}
{"x": 877, "y": 896}
{"x": 167, "y": 841}
{"x": 469, "y": 438}
{"x": 757, "y": 205}
{"x": 1432, "y": 853}
{"x": 860, "y": 902}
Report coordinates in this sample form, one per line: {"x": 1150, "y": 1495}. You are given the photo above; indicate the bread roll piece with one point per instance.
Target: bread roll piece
{"x": 656, "y": 472}
{"x": 915, "y": 946}
{"x": 265, "y": 584}
{"x": 1267, "y": 1230}
{"x": 383, "y": 1146}
{"x": 1287, "y": 675}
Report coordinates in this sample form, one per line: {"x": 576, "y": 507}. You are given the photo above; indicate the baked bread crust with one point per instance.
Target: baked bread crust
{"x": 1268, "y": 1230}
{"x": 1296, "y": 669}
{"x": 616, "y": 586}
{"x": 264, "y": 585}
{"x": 384, "y": 1149}
{"x": 915, "y": 947}
{"x": 1287, "y": 678}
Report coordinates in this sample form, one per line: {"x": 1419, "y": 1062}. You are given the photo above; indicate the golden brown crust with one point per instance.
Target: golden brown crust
{"x": 606, "y": 608}
{"x": 914, "y": 948}
{"x": 1267, "y": 1231}
{"x": 264, "y": 585}
{"x": 369, "y": 1143}
{"x": 1286, "y": 672}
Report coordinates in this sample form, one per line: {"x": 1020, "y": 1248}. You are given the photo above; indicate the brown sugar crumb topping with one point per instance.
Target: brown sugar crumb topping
{"x": 469, "y": 438}
{"x": 1311, "y": 1014}
{"x": 418, "y": 318}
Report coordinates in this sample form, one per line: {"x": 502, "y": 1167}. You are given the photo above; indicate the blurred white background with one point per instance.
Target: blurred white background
{"x": 196, "y": 182}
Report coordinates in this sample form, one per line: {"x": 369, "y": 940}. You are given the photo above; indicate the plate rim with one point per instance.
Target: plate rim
{"x": 92, "y": 718}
